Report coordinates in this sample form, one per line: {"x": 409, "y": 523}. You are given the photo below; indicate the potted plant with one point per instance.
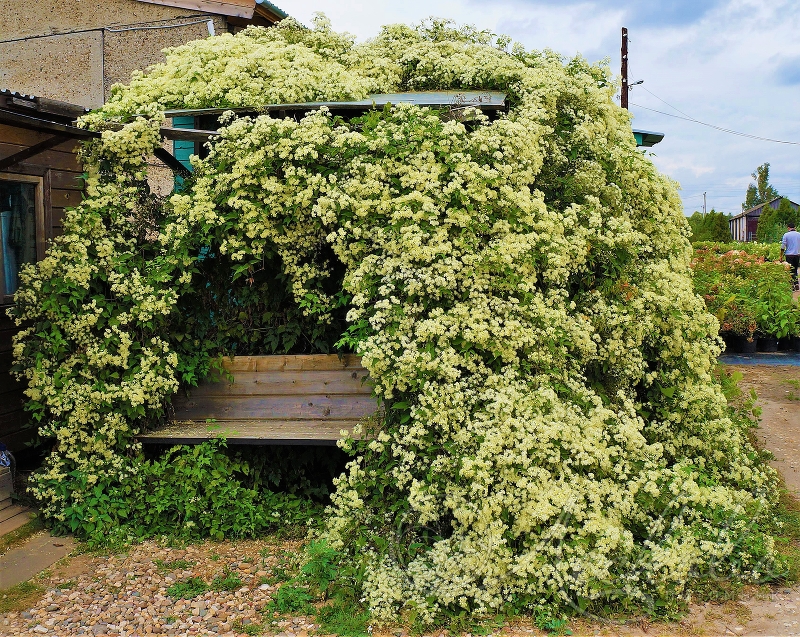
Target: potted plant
{"x": 742, "y": 322}
{"x": 770, "y": 296}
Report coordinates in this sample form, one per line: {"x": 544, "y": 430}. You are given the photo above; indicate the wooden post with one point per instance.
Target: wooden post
{"x": 623, "y": 98}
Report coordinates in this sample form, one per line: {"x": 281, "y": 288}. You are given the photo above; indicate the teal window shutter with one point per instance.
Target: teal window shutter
{"x": 182, "y": 149}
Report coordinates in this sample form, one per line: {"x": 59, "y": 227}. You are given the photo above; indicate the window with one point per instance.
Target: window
{"x": 21, "y": 228}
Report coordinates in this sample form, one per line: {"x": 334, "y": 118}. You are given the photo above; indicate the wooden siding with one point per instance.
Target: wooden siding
{"x": 274, "y": 400}
{"x": 62, "y": 188}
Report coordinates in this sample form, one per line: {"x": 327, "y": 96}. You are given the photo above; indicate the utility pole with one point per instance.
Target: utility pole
{"x": 704, "y": 204}
{"x": 623, "y": 98}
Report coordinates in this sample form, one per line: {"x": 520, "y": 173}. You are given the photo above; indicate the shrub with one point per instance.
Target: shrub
{"x": 714, "y": 226}
{"x": 747, "y": 293}
{"x": 518, "y": 287}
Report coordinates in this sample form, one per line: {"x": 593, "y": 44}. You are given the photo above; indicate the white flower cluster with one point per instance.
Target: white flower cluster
{"x": 521, "y": 285}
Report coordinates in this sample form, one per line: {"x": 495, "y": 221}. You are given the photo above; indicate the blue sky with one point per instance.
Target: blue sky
{"x": 731, "y": 63}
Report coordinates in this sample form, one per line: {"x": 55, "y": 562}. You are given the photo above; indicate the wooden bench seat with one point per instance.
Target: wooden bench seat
{"x": 286, "y": 400}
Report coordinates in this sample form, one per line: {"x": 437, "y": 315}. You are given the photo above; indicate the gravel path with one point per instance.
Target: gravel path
{"x": 127, "y": 594}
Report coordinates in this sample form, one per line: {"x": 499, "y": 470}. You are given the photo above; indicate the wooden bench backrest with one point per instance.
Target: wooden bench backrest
{"x": 274, "y": 399}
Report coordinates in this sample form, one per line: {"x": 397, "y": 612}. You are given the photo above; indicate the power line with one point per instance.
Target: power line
{"x": 719, "y": 128}
{"x": 668, "y": 104}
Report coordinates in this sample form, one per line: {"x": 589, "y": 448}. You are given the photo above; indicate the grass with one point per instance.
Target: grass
{"x": 228, "y": 582}
{"x": 787, "y": 534}
{"x": 20, "y": 597}
{"x": 291, "y": 599}
{"x": 174, "y": 565}
{"x": 187, "y": 590}
{"x": 18, "y": 536}
{"x": 248, "y": 629}
{"x": 340, "y": 618}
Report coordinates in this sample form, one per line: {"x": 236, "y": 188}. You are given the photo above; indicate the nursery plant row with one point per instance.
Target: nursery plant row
{"x": 749, "y": 289}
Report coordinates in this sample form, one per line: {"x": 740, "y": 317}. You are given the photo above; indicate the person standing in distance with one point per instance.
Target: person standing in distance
{"x": 790, "y": 249}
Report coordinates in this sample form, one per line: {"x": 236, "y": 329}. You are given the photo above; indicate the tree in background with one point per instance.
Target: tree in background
{"x": 761, "y": 191}
{"x": 772, "y": 222}
{"x": 714, "y": 226}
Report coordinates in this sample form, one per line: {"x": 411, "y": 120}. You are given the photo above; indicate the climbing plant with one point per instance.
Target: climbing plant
{"x": 518, "y": 288}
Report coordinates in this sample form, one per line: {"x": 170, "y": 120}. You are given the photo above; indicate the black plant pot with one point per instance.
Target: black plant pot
{"x": 729, "y": 338}
{"x": 796, "y": 344}
{"x": 745, "y": 345}
{"x": 767, "y": 344}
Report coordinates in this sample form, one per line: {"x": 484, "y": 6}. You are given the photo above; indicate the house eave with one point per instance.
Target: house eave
{"x": 233, "y": 8}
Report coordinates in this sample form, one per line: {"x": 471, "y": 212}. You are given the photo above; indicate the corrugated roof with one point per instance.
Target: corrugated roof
{"x": 484, "y": 100}
{"x": 42, "y": 106}
{"x": 761, "y": 205}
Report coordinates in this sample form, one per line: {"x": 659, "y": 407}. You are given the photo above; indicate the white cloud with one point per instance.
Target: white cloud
{"x": 732, "y": 63}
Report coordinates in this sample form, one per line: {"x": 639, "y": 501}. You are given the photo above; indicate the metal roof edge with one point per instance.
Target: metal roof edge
{"x": 488, "y": 100}
{"x": 41, "y": 106}
{"x": 766, "y": 203}
{"x": 280, "y": 13}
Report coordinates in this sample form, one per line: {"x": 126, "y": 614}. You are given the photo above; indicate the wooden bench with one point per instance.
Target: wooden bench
{"x": 282, "y": 400}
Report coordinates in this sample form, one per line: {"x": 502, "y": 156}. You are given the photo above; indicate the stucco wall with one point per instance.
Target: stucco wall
{"x": 67, "y": 68}
{"x": 48, "y": 16}
{"x": 81, "y": 67}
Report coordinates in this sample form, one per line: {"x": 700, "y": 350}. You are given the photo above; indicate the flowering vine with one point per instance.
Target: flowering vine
{"x": 518, "y": 288}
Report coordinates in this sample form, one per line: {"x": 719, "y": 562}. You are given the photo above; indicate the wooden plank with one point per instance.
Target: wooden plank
{"x": 51, "y": 158}
{"x": 11, "y": 423}
{"x": 58, "y": 218}
{"x": 29, "y": 152}
{"x": 308, "y": 407}
{"x": 9, "y": 383}
{"x": 11, "y": 399}
{"x": 4, "y": 504}
{"x": 66, "y": 179}
{"x": 24, "y": 137}
{"x": 47, "y": 210}
{"x": 297, "y": 432}
{"x": 10, "y": 512}
{"x": 19, "y": 439}
{"x": 65, "y": 198}
{"x": 6, "y": 484}
{"x": 304, "y": 362}
{"x": 289, "y": 382}
{"x": 12, "y": 524}
{"x": 6, "y": 338}
{"x": 6, "y": 360}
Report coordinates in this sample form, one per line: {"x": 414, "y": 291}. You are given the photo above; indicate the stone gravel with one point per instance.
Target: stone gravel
{"x": 126, "y": 595}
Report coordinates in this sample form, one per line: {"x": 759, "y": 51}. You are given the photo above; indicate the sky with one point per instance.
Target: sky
{"x": 734, "y": 64}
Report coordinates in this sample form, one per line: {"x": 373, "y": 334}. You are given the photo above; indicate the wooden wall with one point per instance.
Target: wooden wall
{"x": 60, "y": 172}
